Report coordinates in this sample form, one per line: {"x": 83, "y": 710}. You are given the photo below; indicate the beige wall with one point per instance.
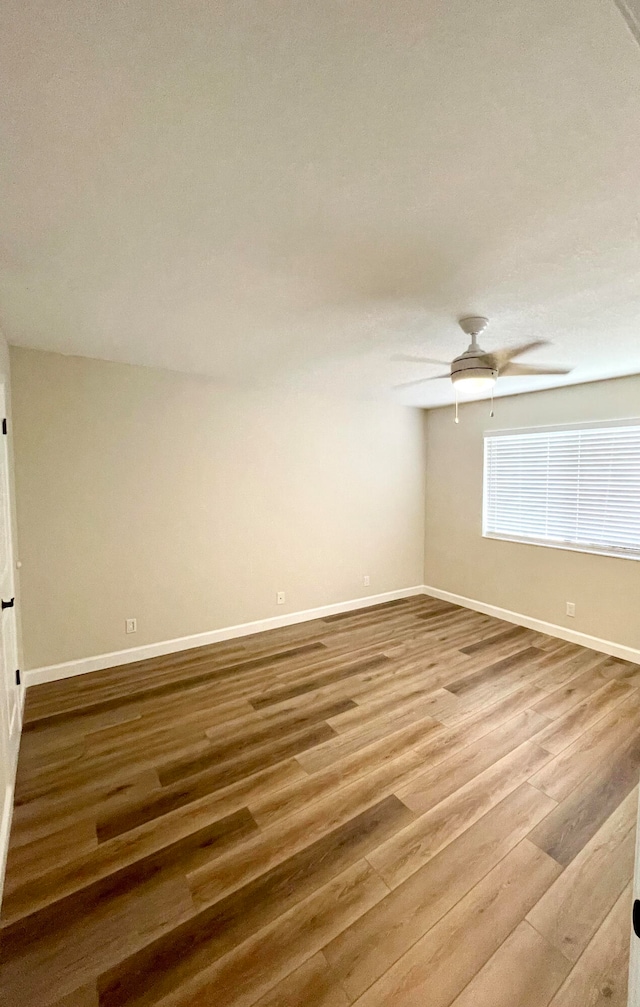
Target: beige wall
{"x": 160, "y": 496}
{"x": 150, "y": 494}
{"x": 532, "y": 580}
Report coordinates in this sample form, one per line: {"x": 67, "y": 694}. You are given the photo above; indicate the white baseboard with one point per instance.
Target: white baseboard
{"x": 55, "y": 672}
{"x": 5, "y": 830}
{"x": 550, "y": 628}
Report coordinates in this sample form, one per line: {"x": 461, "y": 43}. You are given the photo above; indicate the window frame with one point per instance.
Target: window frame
{"x": 592, "y": 550}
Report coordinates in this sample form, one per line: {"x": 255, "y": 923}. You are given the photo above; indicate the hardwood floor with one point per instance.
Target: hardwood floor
{"x": 411, "y": 805}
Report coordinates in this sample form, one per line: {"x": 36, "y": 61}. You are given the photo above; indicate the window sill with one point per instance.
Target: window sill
{"x": 564, "y": 546}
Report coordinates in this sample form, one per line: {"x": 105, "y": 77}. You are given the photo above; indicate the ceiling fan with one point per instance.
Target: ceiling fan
{"x": 477, "y": 371}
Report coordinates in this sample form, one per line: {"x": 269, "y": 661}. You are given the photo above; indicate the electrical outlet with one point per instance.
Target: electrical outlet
{"x": 131, "y": 626}
{"x": 280, "y": 598}
{"x": 367, "y": 580}
{"x": 571, "y": 608}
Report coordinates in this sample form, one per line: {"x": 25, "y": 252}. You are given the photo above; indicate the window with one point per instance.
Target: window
{"x": 573, "y": 487}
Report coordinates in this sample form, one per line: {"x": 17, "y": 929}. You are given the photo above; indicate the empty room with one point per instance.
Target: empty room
{"x": 319, "y": 503}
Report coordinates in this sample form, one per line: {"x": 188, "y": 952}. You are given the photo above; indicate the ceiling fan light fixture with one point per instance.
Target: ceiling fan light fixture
{"x": 472, "y": 374}
{"x": 471, "y": 383}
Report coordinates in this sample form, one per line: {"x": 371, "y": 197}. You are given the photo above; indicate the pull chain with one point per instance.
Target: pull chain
{"x": 491, "y": 412}
{"x": 457, "y": 418}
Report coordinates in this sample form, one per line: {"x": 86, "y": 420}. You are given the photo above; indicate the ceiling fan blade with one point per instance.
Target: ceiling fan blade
{"x": 419, "y": 360}
{"x": 408, "y": 384}
{"x": 521, "y": 370}
{"x": 498, "y": 358}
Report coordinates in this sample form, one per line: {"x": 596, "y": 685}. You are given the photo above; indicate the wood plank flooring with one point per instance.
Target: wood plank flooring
{"x": 411, "y": 805}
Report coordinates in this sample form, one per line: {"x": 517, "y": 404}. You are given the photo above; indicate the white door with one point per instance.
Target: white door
{"x": 9, "y": 686}
{"x": 634, "y": 967}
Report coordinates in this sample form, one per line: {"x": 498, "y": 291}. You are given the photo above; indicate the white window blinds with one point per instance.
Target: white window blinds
{"x": 576, "y": 488}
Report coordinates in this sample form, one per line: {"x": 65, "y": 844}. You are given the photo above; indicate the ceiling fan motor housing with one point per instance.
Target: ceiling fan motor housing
{"x": 470, "y": 365}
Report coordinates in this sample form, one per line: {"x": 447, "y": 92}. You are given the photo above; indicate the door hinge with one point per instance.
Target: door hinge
{"x": 8, "y": 604}
{"x": 4, "y": 425}
{"x": 17, "y": 676}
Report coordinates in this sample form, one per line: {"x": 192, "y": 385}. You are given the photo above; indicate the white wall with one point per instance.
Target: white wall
{"x": 532, "y": 580}
{"x": 166, "y": 497}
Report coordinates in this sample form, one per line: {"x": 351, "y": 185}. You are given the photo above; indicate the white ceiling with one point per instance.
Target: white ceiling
{"x": 277, "y": 190}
